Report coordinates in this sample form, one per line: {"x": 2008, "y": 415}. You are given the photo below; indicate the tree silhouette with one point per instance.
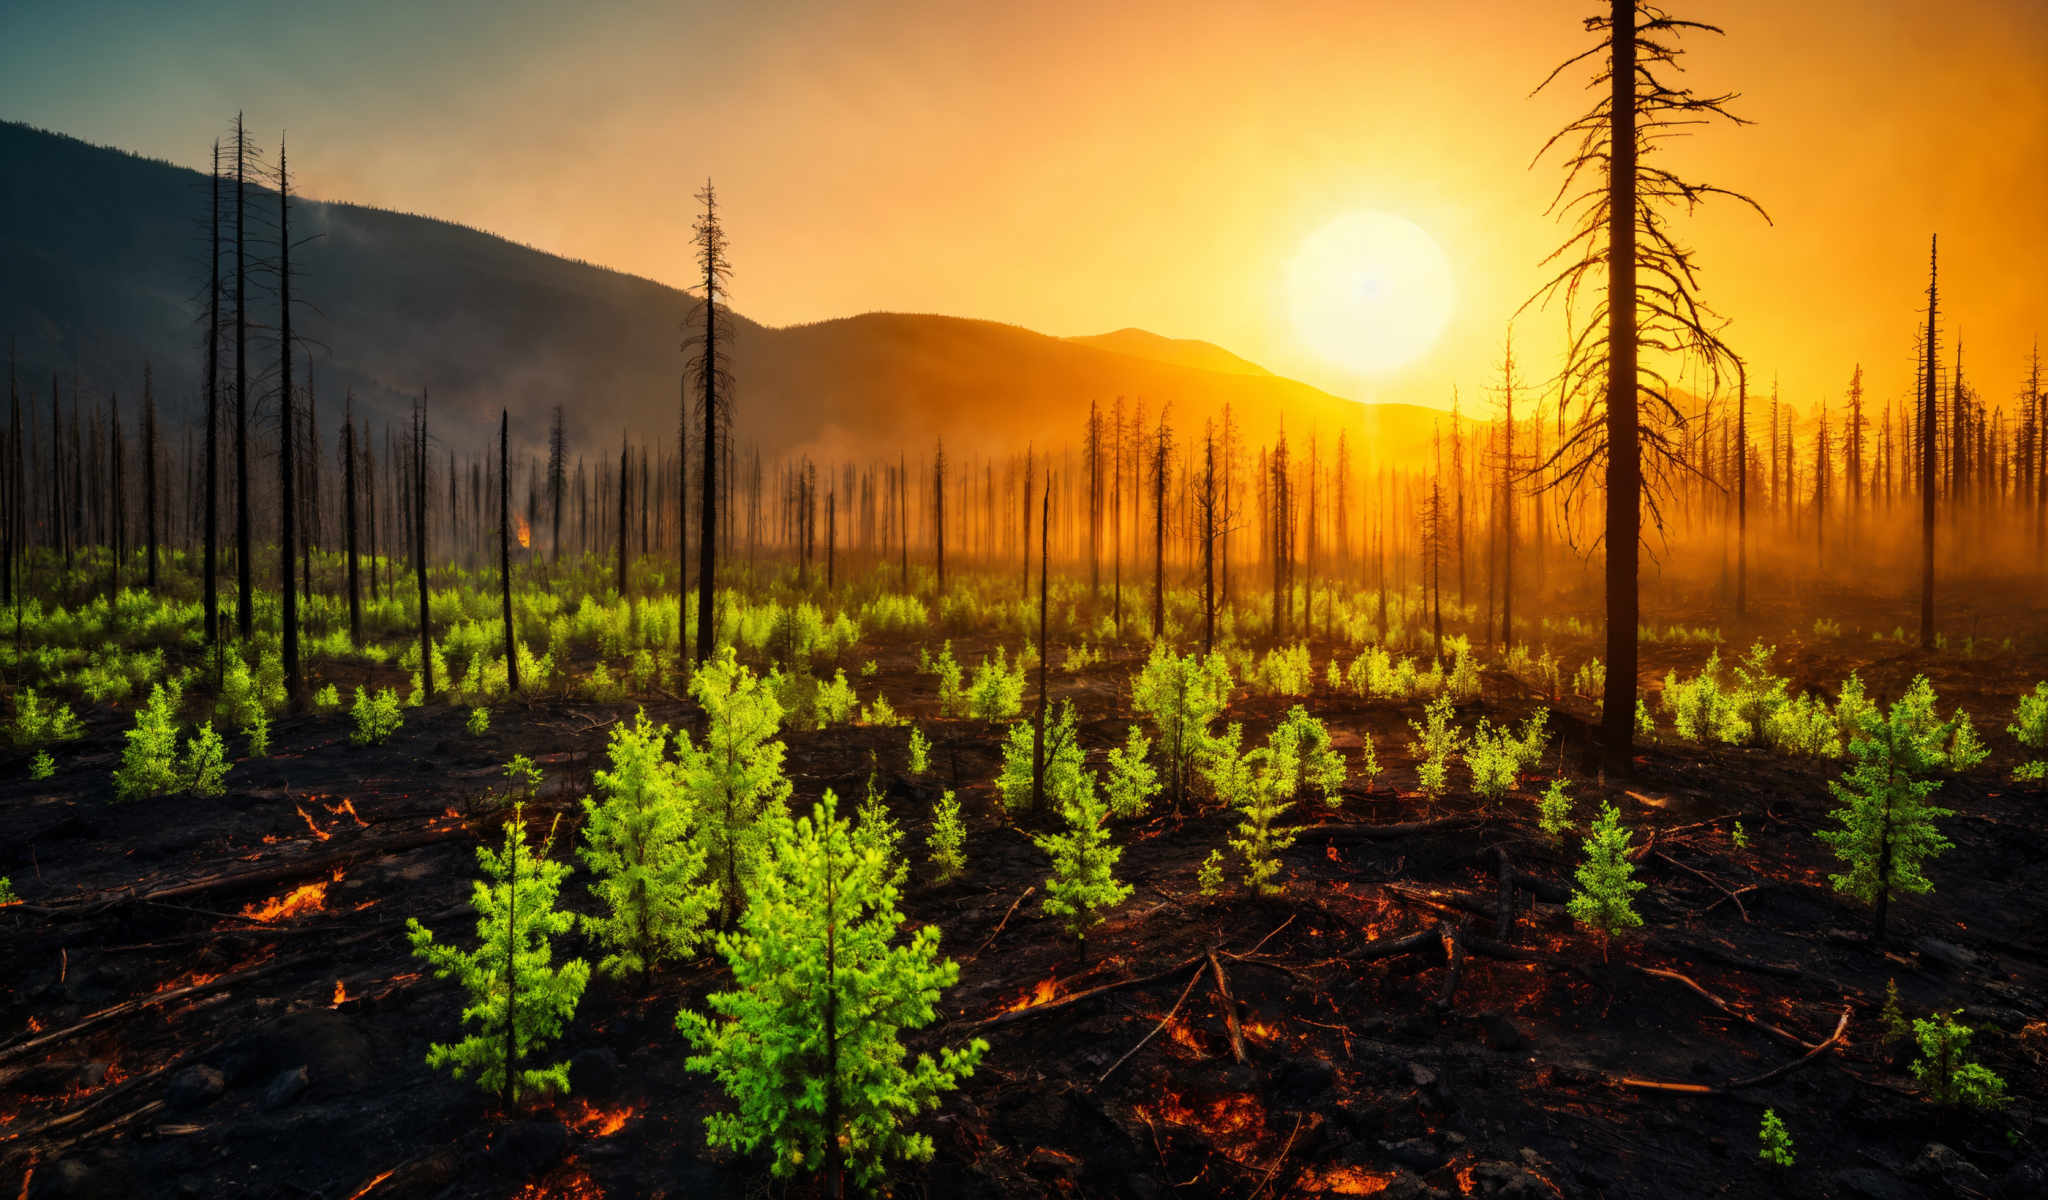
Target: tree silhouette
{"x": 707, "y": 365}
{"x": 1619, "y": 205}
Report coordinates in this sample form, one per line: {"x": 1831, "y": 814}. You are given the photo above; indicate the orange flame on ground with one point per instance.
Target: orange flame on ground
{"x": 601, "y": 1122}
{"x": 525, "y": 534}
{"x": 191, "y": 979}
{"x": 1047, "y": 989}
{"x": 318, "y": 832}
{"x": 307, "y": 897}
{"x": 367, "y": 1188}
{"x": 1347, "y": 1181}
{"x": 348, "y": 806}
{"x": 341, "y": 998}
{"x": 34, "y": 1026}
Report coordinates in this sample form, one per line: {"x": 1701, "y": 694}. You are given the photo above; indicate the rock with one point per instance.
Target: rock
{"x": 1866, "y": 1183}
{"x": 195, "y": 1087}
{"x": 1947, "y": 1172}
{"x": 526, "y": 1148}
{"x": 1420, "y": 1075}
{"x": 594, "y": 1075}
{"x": 86, "y": 1176}
{"x": 1499, "y": 1032}
{"x": 2025, "y": 1181}
{"x": 1417, "y": 1154}
{"x": 1048, "y": 1163}
{"x": 1506, "y": 1181}
{"x": 286, "y": 1088}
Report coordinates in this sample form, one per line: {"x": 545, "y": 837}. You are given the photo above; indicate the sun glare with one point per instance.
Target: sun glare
{"x": 1371, "y": 291}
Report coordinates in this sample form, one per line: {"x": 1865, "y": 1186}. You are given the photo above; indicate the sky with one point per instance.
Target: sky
{"x": 1080, "y": 167}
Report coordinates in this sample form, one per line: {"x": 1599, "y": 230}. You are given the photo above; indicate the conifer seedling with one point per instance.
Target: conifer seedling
{"x": 1604, "y": 898}
{"x": 648, "y": 873}
{"x": 808, "y": 1042}
{"x": 519, "y": 1000}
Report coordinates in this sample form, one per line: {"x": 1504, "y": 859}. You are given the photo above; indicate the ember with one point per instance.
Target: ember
{"x": 348, "y": 806}
{"x": 601, "y": 1122}
{"x": 367, "y": 1188}
{"x": 340, "y": 994}
{"x": 1347, "y": 1181}
{"x": 308, "y": 897}
{"x": 1046, "y": 990}
{"x": 318, "y": 832}
{"x": 525, "y": 534}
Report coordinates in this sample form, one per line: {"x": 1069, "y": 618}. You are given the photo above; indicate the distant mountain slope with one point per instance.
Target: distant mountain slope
{"x": 1186, "y": 352}
{"x": 102, "y": 269}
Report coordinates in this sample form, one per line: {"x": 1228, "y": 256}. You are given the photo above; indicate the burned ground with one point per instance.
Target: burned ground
{"x": 214, "y": 997}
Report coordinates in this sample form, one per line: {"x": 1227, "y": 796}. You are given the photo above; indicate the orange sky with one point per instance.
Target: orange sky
{"x": 1080, "y": 167}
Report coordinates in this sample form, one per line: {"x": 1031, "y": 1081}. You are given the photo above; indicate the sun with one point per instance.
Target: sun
{"x": 1370, "y": 291}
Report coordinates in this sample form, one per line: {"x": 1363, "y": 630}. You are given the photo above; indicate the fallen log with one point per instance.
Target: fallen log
{"x": 1229, "y": 1009}
{"x": 1723, "y": 1005}
{"x": 1701, "y": 1089}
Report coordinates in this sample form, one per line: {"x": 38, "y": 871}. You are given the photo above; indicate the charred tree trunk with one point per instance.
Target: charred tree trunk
{"x": 210, "y": 586}
{"x": 149, "y": 485}
{"x": 245, "y": 613}
{"x": 1624, "y": 463}
{"x": 1929, "y": 422}
{"x": 287, "y": 450}
{"x": 505, "y": 543}
{"x": 419, "y": 548}
{"x": 348, "y": 515}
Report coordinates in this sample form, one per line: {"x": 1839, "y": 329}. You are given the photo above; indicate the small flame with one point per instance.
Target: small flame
{"x": 1348, "y": 1181}
{"x": 602, "y": 1122}
{"x": 525, "y": 534}
{"x": 341, "y": 998}
{"x": 193, "y": 979}
{"x": 367, "y": 1188}
{"x": 307, "y": 818}
{"x": 307, "y": 897}
{"x": 348, "y": 806}
{"x": 34, "y": 1026}
{"x": 1046, "y": 990}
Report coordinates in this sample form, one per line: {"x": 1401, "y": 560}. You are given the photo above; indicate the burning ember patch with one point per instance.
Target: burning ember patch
{"x": 601, "y": 1122}
{"x": 371, "y": 1186}
{"x": 340, "y": 994}
{"x": 1229, "y": 1118}
{"x": 1046, "y": 990}
{"x": 318, "y": 832}
{"x": 1346, "y": 1181}
{"x": 306, "y": 898}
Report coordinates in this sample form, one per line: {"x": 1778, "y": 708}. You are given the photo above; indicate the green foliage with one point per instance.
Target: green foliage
{"x": 1435, "y": 741}
{"x": 1368, "y": 761}
{"x": 649, "y": 873}
{"x": 807, "y": 1044}
{"x": 834, "y": 702}
{"x": 1886, "y": 824}
{"x": 1209, "y": 876}
{"x": 1314, "y": 761}
{"x": 1759, "y": 692}
{"x": 7, "y": 895}
{"x": 1083, "y": 882}
{"x": 1774, "y": 1142}
{"x": 947, "y": 840}
{"x": 952, "y": 697}
{"x": 1285, "y": 671}
{"x": 997, "y": 693}
{"x": 1132, "y": 780}
{"x": 1738, "y": 837}
{"x": 522, "y": 778}
{"x": 1554, "y": 810}
{"x": 1604, "y": 897}
{"x": 880, "y": 712}
{"x": 1262, "y": 790}
{"x": 1491, "y": 755}
{"x": 1803, "y": 725}
{"x": 920, "y": 752}
{"x": 1066, "y": 775}
{"x": 38, "y": 723}
{"x": 1590, "y": 680}
{"x": 735, "y": 781}
{"x": 327, "y": 699}
{"x": 205, "y": 764}
{"x": 2030, "y": 719}
{"x": 149, "y": 763}
{"x": 42, "y": 766}
{"x": 1951, "y": 1078}
{"x": 479, "y": 721}
{"x": 1891, "y": 1019}
{"x": 1646, "y": 726}
{"x": 519, "y": 1000}
{"x": 1181, "y": 696}
{"x": 377, "y": 717}
{"x": 1702, "y": 708}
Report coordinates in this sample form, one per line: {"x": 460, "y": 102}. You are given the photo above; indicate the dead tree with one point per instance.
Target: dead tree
{"x": 419, "y": 543}
{"x": 149, "y": 486}
{"x": 348, "y": 516}
{"x": 1620, "y": 203}
{"x": 708, "y": 364}
{"x": 505, "y": 539}
{"x": 210, "y": 586}
{"x": 1930, "y": 422}
{"x": 245, "y": 613}
{"x": 1162, "y": 456}
{"x": 287, "y": 446}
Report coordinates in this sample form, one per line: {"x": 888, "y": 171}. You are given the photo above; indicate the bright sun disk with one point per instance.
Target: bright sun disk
{"x": 1370, "y": 291}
